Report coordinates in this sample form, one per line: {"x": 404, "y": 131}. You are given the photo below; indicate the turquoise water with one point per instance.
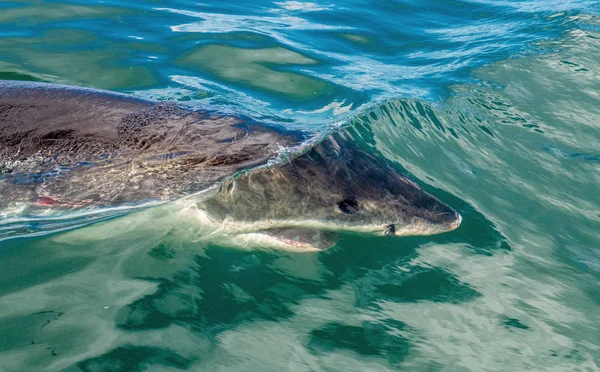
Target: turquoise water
{"x": 493, "y": 106}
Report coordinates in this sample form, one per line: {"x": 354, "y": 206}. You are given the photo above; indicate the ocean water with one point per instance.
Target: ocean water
{"x": 493, "y": 106}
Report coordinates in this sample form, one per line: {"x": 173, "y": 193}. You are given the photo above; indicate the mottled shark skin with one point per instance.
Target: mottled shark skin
{"x": 85, "y": 147}
{"x": 66, "y": 147}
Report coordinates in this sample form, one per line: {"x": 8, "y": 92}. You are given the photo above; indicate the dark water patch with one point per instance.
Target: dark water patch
{"x": 357, "y": 256}
{"x": 143, "y": 313}
{"x": 383, "y": 269}
{"x": 8, "y": 75}
{"x": 52, "y": 351}
{"x": 165, "y": 250}
{"x": 162, "y": 252}
{"x": 593, "y": 293}
{"x": 514, "y": 323}
{"x": 134, "y": 359}
{"x": 220, "y": 290}
{"x": 475, "y": 230}
{"x": 369, "y": 339}
{"x": 486, "y": 130}
{"x": 24, "y": 266}
{"x": 268, "y": 299}
{"x": 26, "y": 330}
{"x": 434, "y": 284}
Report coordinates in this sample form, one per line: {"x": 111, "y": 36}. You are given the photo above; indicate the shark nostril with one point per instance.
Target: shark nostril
{"x": 391, "y": 229}
{"x": 348, "y": 206}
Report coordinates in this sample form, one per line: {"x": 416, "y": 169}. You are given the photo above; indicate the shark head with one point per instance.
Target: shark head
{"x": 334, "y": 187}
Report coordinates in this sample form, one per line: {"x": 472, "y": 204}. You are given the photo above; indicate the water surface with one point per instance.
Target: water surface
{"x": 494, "y": 106}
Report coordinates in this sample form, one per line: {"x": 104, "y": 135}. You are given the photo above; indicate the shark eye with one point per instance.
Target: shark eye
{"x": 348, "y": 206}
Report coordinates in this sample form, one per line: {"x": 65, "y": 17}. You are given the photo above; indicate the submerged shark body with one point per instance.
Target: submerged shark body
{"x": 68, "y": 147}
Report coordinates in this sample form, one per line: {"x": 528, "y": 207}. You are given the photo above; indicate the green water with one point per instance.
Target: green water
{"x": 516, "y": 152}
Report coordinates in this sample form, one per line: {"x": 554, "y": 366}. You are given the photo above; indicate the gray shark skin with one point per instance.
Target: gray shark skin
{"x": 334, "y": 186}
{"x": 67, "y": 147}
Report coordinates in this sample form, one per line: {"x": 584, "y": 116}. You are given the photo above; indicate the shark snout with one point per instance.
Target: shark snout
{"x": 442, "y": 222}
{"x": 455, "y": 223}
{"x": 448, "y": 220}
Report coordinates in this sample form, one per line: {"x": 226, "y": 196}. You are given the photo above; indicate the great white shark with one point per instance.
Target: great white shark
{"x": 73, "y": 148}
